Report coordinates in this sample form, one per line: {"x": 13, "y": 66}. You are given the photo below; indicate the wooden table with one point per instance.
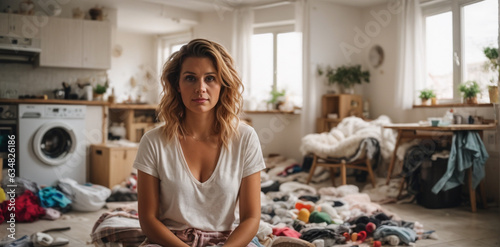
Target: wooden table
{"x": 416, "y": 131}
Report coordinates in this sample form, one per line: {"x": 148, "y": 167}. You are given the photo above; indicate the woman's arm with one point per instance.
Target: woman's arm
{"x": 249, "y": 212}
{"x": 148, "y": 193}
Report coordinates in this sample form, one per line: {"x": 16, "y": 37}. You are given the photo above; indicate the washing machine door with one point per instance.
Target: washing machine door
{"x": 54, "y": 143}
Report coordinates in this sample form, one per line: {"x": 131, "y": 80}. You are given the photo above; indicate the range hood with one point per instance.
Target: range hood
{"x": 19, "y": 50}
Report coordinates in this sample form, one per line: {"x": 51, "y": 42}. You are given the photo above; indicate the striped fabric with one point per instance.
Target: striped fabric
{"x": 197, "y": 238}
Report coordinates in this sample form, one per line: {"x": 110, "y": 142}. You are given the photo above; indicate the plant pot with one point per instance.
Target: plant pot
{"x": 98, "y": 96}
{"x": 424, "y": 101}
{"x": 433, "y": 101}
{"x": 471, "y": 100}
{"x": 493, "y": 92}
{"x": 347, "y": 90}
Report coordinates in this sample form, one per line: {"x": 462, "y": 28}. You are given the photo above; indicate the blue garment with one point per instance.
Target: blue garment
{"x": 405, "y": 235}
{"x": 255, "y": 241}
{"x": 50, "y": 197}
{"x": 467, "y": 150}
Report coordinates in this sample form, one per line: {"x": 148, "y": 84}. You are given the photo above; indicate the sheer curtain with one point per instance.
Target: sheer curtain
{"x": 410, "y": 71}
{"x": 242, "y": 43}
{"x": 309, "y": 106}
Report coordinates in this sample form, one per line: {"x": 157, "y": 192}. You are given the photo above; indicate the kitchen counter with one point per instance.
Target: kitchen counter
{"x": 53, "y": 101}
{"x": 79, "y": 102}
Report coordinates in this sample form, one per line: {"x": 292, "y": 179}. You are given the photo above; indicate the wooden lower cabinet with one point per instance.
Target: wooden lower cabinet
{"x": 110, "y": 164}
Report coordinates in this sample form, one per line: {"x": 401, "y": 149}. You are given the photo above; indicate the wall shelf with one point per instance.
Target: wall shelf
{"x": 455, "y": 105}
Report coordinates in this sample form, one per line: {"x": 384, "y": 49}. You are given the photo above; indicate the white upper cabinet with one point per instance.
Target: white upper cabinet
{"x": 96, "y": 45}
{"x": 62, "y": 43}
{"x": 4, "y": 24}
{"x": 73, "y": 43}
{"x": 24, "y": 26}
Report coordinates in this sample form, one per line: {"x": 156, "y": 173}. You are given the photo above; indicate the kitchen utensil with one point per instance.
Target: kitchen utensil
{"x": 458, "y": 119}
{"x": 67, "y": 90}
{"x": 59, "y": 94}
{"x": 88, "y": 92}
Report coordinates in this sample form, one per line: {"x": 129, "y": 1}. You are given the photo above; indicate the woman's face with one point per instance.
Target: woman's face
{"x": 198, "y": 85}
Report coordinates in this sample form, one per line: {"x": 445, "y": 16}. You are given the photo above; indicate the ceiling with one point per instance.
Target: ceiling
{"x": 170, "y": 16}
{"x": 210, "y": 5}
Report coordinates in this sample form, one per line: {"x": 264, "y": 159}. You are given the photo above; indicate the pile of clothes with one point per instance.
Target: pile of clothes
{"x": 30, "y": 202}
{"x": 328, "y": 216}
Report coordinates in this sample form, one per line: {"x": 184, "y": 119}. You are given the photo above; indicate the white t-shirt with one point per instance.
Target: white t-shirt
{"x": 185, "y": 202}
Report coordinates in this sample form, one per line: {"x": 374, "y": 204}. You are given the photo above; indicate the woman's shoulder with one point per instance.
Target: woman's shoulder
{"x": 245, "y": 129}
{"x": 246, "y": 132}
{"x": 155, "y": 134}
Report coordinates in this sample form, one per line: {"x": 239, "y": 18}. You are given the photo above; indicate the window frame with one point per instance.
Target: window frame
{"x": 274, "y": 30}
{"x": 456, "y": 7}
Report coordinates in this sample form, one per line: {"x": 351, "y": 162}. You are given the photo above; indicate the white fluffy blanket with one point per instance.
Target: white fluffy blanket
{"x": 343, "y": 140}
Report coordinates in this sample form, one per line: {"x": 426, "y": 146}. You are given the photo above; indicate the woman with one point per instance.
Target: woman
{"x": 193, "y": 170}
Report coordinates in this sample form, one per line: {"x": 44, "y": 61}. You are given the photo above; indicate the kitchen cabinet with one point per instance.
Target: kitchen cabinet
{"x": 4, "y": 24}
{"x": 25, "y": 26}
{"x": 96, "y": 44}
{"x": 62, "y": 42}
{"x": 76, "y": 44}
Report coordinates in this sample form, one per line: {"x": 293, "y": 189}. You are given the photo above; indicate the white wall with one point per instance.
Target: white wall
{"x": 216, "y": 26}
{"x": 27, "y": 79}
{"x": 138, "y": 61}
{"x": 331, "y": 27}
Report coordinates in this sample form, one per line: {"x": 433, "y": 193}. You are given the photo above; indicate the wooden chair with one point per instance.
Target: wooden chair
{"x": 363, "y": 163}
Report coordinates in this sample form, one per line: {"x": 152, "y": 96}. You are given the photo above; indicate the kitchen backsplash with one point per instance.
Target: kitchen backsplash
{"x": 22, "y": 79}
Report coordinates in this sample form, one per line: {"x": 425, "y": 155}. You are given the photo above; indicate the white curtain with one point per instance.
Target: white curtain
{"x": 410, "y": 71}
{"x": 309, "y": 106}
{"x": 242, "y": 43}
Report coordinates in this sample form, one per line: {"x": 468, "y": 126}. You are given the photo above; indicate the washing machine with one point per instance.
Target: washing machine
{"x": 52, "y": 143}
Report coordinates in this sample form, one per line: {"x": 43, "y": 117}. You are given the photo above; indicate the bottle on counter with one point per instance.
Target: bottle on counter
{"x": 448, "y": 118}
{"x": 111, "y": 98}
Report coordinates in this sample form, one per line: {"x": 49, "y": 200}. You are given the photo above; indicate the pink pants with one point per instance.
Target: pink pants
{"x": 196, "y": 238}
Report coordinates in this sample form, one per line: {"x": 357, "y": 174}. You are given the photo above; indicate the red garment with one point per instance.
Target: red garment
{"x": 1, "y": 215}
{"x": 286, "y": 231}
{"x": 27, "y": 208}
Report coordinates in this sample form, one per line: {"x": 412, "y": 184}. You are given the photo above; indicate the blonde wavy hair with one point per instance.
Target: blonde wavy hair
{"x": 172, "y": 111}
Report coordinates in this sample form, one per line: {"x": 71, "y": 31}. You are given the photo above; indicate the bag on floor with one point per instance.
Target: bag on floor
{"x": 84, "y": 197}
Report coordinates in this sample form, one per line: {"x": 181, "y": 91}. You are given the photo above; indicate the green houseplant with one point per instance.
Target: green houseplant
{"x": 346, "y": 76}
{"x": 470, "y": 89}
{"x": 426, "y": 94}
{"x": 492, "y": 54}
{"x": 275, "y": 97}
{"x": 99, "y": 90}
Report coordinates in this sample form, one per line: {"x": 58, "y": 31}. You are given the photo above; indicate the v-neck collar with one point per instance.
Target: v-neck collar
{"x": 186, "y": 166}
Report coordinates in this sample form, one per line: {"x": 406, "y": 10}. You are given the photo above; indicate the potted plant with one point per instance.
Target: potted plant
{"x": 470, "y": 89}
{"x": 427, "y": 94}
{"x": 492, "y": 54}
{"x": 346, "y": 76}
{"x": 99, "y": 90}
{"x": 276, "y": 98}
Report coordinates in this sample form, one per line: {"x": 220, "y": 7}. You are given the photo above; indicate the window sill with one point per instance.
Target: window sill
{"x": 295, "y": 112}
{"x": 455, "y": 105}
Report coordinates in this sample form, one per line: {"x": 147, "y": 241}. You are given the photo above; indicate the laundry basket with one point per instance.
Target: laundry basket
{"x": 430, "y": 173}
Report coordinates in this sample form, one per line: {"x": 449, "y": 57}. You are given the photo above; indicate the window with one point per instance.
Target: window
{"x": 456, "y": 32}
{"x": 169, "y": 44}
{"x": 171, "y": 48}
{"x": 276, "y": 64}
